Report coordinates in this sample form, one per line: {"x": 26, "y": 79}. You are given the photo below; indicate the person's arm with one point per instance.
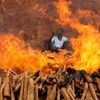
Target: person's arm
{"x": 53, "y": 40}
{"x": 65, "y": 42}
{"x": 65, "y": 39}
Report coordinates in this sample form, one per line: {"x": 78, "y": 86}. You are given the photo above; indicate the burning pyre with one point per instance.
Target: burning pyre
{"x": 16, "y": 53}
{"x": 52, "y": 76}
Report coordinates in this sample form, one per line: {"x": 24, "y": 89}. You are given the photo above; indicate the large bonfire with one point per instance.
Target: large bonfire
{"x": 33, "y": 74}
{"x": 16, "y": 53}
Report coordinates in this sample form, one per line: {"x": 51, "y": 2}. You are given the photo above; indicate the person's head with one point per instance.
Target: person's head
{"x": 59, "y": 33}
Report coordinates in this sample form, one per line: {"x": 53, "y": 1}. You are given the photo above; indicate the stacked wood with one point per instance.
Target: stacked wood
{"x": 59, "y": 84}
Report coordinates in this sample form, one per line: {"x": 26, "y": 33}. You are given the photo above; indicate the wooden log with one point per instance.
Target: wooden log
{"x": 52, "y": 95}
{"x": 17, "y": 87}
{"x": 12, "y": 93}
{"x": 92, "y": 91}
{"x": 73, "y": 85}
{"x": 25, "y": 89}
{"x": 88, "y": 78}
{"x": 85, "y": 91}
{"x": 19, "y": 78}
{"x": 98, "y": 94}
{"x": 58, "y": 94}
{"x": 70, "y": 92}
{"x": 98, "y": 83}
{"x": 40, "y": 86}
{"x": 0, "y": 81}
{"x": 29, "y": 89}
{"x": 79, "y": 86}
{"x": 2, "y": 88}
{"x": 43, "y": 79}
{"x": 48, "y": 92}
{"x": 14, "y": 73}
{"x": 1, "y": 96}
{"x": 88, "y": 96}
{"x": 6, "y": 91}
{"x": 95, "y": 87}
{"x": 36, "y": 97}
{"x": 21, "y": 90}
{"x": 18, "y": 83}
{"x": 65, "y": 93}
{"x": 38, "y": 78}
{"x": 71, "y": 96}
{"x": 30, "y": 95}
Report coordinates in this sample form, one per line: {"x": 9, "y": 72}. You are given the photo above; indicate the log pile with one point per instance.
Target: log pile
{"x": 59, "y": 84}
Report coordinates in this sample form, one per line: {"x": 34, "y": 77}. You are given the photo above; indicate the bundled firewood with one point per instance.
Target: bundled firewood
{"x": 58, "y": 84}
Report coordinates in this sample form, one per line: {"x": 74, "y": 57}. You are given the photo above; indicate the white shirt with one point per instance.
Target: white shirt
{"x": 58, "y": 43}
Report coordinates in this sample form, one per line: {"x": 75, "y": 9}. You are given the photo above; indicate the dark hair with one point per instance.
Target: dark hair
{"x": 59, "y": 31}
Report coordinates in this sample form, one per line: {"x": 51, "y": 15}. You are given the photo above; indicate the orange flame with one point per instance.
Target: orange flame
{"x": 63, "y": 11}
{"x": 15, "y": 54}
{"x": 87, "y": 50}
{"x": 87, "y": 46}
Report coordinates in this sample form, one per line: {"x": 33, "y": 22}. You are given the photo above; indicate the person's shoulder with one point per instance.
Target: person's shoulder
{"x": 65, "y": 38}
{"x": 54, "y": 36}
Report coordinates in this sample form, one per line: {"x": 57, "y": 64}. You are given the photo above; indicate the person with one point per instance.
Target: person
{"x": 57, "y": 41}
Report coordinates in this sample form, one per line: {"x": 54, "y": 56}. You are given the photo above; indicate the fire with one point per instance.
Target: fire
{"x": 14, "y": 53}
{"x": 87, "y": 50}
{"x": 63, "y": 11}
{"x": 86, "y": 47}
